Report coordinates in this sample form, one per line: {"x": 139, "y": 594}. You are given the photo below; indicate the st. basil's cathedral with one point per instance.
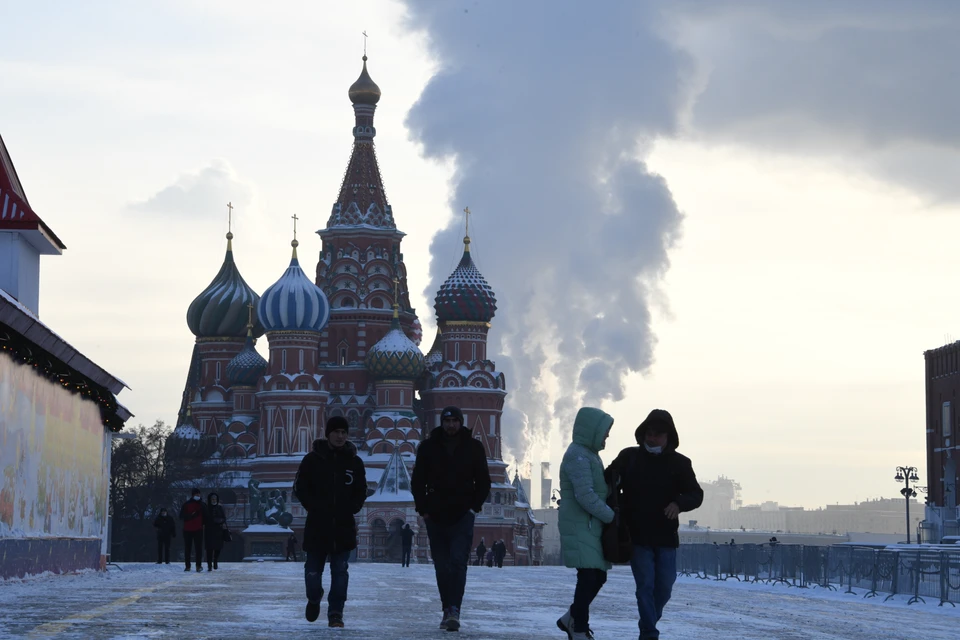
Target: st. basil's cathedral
{"x": 346, "y": 344}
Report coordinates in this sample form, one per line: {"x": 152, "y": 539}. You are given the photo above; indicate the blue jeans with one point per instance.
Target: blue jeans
{"x": 655, "y": 571}
{"x": 313, "y": 573}
{"x": 450, "y": 547}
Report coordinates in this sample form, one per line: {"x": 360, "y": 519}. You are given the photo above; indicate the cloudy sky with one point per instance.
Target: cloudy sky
{"x": 743, "y": 212}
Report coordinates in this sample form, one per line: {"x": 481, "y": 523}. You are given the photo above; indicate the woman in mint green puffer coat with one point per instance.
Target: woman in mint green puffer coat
{"x": 583, "y": 512}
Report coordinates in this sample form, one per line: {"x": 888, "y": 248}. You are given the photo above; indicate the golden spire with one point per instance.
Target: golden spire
{"x": 466, "y": 236}
{"x": 230, "y": 226}
{"x": 294, "y": 244}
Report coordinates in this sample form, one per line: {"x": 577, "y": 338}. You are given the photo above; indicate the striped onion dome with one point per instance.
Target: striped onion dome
{"x": 247, "y": 366}
{"x": 294, "y": 302}
{"x": 395, "y": 355}
{"x": 465, "y": 296}
{"x": 220, "y": 311}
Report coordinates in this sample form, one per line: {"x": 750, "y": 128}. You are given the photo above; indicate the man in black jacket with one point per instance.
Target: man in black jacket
{"x": 657, "y": 484}
{"x": 166, "y": 531}
{"x": 450, "y": 483}
{"x": 331, "y": 485}
{"x": 406, "y": 537}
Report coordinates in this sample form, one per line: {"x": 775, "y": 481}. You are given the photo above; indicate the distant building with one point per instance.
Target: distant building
{"x": 882, "y": 516}
{"x": 58, "y": 412}
{"x": 942, "y": 377}
{"x": 719, "y": 496}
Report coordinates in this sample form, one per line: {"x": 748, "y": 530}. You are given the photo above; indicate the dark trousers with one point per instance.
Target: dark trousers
{"x": 291, "y": 552}
{"x": 589, "y": 582}
{"x": 499, "y": 560}
{"x": 339, "y": 578}
{"x": 450, "y": 548}
{"x": 405, "y": 560}
{"x": 212, "y": 556}
{"x": 163, "y": 550}
{"x": 193, "y": 539}
{"x": 655, "y": 571}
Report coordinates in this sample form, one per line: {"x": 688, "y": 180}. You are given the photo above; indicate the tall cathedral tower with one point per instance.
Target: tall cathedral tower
{"x": 359, "y": 260}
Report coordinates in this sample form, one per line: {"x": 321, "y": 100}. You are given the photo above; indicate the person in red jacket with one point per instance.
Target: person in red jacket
{"x": 194, "y": 516}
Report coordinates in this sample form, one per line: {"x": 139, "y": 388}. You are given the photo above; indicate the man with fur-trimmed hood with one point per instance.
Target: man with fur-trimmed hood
{"x": 331, "y": 484}
{"x": 657, "y": 484}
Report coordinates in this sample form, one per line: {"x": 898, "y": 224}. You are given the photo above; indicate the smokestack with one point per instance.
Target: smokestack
{"x": 548, "y": 113}
{"x": 546, "y": 485}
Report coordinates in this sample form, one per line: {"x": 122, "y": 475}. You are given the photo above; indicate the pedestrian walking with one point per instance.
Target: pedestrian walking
{"x": 331, "y": 485}
{"x": 194, "y": 515}
{"x": 657, "y": 485}
{"x": 292, "y": 547}
{"x": 490, "y": 557}
{"x": 583, "y": 512}
{"x": 450, "y": 483}
{"x": 166, "y": 531}
{"x": 500, "y": 551}
{"x": 406, "y": 538}
{"x": 481, "y": 553}
{"x": 213, "y": 530}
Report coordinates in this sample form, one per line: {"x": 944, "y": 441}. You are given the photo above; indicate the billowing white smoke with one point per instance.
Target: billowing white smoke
{"x": 548, "y": 107}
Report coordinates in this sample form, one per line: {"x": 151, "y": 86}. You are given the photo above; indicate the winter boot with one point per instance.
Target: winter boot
{"x": 215, "y": 565}
{"x": 335, "y": 619}
{"x": 453, "y": 619}
{"x": 209, "y": 566}
{"x": 188, "y": 568}
{"x": 313, "y": 611}
{"x": 444, "y": 620}
{"x": 565, "y": 623}
{"x": 199, "y": 568}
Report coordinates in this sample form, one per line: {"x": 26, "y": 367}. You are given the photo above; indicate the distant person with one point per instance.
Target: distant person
{"x": 213, "y": 531}
{"x": 331, "y": 485}
{"x": 774, "y": 541}
{"x": 657, "y": 484}
{"x": 490, "y": 557}
{"x": 166, "y": 531}
{"x": 194, "y": 515}
{"x": 450, "y": 483}
{"x": 481, "y": 552}
{"x": 292, "y": 547}
{"x": 406, "y": 538}
{"x": 499, "y": 552}
{"x": 582, "y": 512}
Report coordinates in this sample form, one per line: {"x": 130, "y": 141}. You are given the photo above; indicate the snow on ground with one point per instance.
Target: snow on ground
{"x": 265, "y": 600}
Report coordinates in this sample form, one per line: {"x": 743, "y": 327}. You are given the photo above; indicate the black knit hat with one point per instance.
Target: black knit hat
{"x": 452, "y": 412}
{"x": 195, "y": 492}
{"x": 336, "y": 422}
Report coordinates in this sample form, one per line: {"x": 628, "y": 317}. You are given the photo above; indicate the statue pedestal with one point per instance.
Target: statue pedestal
{"x": 265, "y": 543}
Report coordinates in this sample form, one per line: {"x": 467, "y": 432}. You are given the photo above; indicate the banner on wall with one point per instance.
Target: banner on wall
{"x": 54, "y": 459}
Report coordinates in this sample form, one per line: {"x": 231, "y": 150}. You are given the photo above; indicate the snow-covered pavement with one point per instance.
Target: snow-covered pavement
{"x": 386, "y": 601}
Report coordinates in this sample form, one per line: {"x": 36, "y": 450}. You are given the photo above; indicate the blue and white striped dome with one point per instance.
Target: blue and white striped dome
{"x": 293, "y": 303}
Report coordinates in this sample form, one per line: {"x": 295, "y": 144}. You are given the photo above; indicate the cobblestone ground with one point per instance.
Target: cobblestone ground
{"x": 386, "y": 601}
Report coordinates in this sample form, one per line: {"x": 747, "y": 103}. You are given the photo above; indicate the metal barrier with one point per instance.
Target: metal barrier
{"x": 919, "y": 573}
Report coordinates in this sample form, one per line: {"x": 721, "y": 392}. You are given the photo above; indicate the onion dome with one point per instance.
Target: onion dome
{"x": 435, "y": 356}
{"x": 220, "y": 311}
{"x": 294, "y": 302}
{"x": 247, "y": 366}
{"x": 186, "y": 441}
{"x": 395, "y": 355}
{"x": 364, "y": 90}
{"x": 465, "y": 296}
{"x": 416, "y": 331}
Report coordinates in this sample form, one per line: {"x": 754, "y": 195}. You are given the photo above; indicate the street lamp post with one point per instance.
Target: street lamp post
{"x": 907, "y": 475}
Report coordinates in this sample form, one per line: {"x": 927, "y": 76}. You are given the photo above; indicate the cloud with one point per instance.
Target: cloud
{"x": 547, "y": 109}
{"x": 202, "y": 194}
{"x": 873, "y": 84}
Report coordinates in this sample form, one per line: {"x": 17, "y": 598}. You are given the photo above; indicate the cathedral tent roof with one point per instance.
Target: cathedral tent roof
{"x": 394, "y": 485}
{"x": 521, "y": 494}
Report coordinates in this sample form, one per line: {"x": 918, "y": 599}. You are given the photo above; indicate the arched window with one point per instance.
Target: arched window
{"x": 301, "y": 359}
{"x": 342, "y": 354}
{"x": 283, "y": 360}
{"x": 496, "y": 498}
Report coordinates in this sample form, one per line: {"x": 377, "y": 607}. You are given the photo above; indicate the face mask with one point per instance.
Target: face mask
{"x": 196, "y": 497}
{"x": 654, "y": 450}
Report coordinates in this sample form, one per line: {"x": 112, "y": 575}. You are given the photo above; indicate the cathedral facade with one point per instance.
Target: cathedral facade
{"x": 346, "y": 343}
